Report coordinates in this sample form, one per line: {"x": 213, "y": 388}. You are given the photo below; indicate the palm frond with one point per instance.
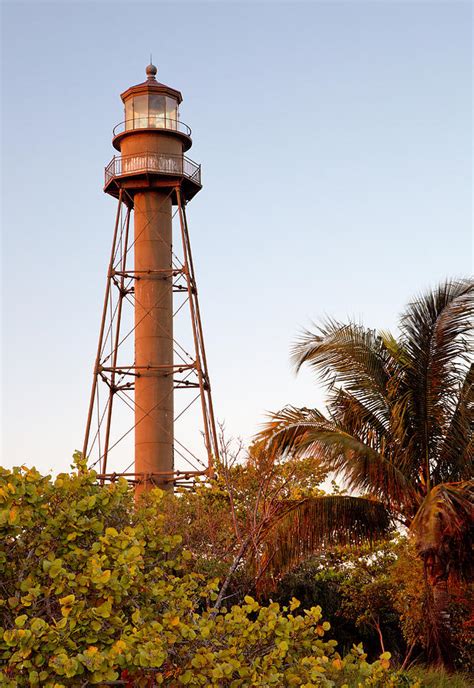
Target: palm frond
{"x": 395, "y": 348}
{"x": 435, "y": 334}
{"x": 456, "y": 458}
{"x": 364, "y": 469}
{"x": 304, "y": 432}
{"x": 350, "y": 356}
{"x": 351, "y": 414}
{"x": 443, "y": 528}
{"x": 320, "y": 522}
{"x": 399, "y": 398}
{"x": 288, "y": 429}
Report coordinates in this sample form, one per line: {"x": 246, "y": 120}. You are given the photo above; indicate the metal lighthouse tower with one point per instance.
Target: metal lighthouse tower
{"x": 141, "y": 358}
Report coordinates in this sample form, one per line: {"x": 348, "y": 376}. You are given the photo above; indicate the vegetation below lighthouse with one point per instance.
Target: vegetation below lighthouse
{"x": 260, "y": 577}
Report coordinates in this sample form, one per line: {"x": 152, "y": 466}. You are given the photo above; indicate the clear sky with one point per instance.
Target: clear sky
{"x": 335, "y": 140}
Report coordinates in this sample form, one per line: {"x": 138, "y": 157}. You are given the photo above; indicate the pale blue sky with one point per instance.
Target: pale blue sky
{"x": 335, "y": 140}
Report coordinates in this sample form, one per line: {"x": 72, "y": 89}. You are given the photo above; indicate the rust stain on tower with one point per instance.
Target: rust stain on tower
{"x": 153, "y": 178}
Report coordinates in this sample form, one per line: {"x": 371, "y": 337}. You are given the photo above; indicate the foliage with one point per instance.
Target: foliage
{"x": 234, "y": 522}
{"x": 409, "y": 598}
{"x": 320, "y": 580}
{"x": 226, "y": 521}
{"x": 377, "y": 596}
{"x": 203, "y": 519}
{"x": 462, "y": 618}
{"x": 367, "y": 593}
{"x": 93, "y": 589}
{"x": 357, "y": 591}
{"x": 409, "y": 595}
{"x": 398, "y": 430}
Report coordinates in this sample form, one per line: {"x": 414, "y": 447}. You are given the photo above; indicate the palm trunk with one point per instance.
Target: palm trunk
{"x": 440, "y": 641}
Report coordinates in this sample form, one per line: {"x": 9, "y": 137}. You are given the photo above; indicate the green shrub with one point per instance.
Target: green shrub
{"x": 93, "y": 590}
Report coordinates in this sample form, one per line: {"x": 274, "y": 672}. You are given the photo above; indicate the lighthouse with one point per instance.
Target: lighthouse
{"x": 153, "y": 180}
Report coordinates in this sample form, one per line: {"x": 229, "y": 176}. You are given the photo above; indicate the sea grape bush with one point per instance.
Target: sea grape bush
{"x": 93, "y": 590}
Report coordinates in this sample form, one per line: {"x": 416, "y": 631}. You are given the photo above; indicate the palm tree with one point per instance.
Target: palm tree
{"x": 399, "y": 432}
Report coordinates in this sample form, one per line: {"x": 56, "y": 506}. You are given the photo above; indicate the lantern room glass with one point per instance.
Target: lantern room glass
{"x": 129, "y": 114}
{"x": 151, "y": 111}
{"x": 140, "y": 112}
{"x": 171, "y": 113}
{"x": 157, "y": 110}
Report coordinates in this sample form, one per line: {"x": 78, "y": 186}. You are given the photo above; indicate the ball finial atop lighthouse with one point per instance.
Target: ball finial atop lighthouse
{"x": 151, "y": 72}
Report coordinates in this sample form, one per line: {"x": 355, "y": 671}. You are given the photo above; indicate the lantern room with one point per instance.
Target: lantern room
{"x": 151, "y": 110}
{"x": 151, "y": 106}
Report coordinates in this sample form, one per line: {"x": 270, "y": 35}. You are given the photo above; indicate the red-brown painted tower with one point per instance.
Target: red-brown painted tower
{"x": 153, "y": 181}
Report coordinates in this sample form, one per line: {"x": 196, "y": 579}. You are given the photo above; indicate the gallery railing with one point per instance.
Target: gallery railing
{"x": 152, "y": 122}
{"x": 161, "y": 163}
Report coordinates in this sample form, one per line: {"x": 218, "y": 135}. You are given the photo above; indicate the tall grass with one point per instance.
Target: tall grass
{"x": 438, "y": 678}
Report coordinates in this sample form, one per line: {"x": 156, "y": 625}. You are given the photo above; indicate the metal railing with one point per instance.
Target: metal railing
{"x": 163, "y": 163}
{"x": 152, "y": 122}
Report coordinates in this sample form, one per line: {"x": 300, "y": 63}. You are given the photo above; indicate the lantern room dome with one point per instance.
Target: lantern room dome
{"x": 151, "y": 85}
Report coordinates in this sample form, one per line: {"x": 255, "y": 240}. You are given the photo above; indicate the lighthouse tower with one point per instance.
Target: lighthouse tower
{"x": 152, "y": 180}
